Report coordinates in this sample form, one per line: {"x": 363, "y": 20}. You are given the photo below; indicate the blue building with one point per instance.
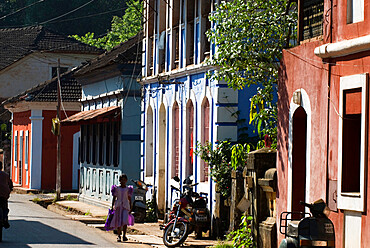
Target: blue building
{"x": 181, "y": 105}
{"x": 109, "y": 119}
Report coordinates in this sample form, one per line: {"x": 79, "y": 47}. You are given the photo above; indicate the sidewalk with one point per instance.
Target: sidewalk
{"x": 145, "y": 233}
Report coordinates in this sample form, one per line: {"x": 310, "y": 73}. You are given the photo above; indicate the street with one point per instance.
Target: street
{"x": 34, "y": 226}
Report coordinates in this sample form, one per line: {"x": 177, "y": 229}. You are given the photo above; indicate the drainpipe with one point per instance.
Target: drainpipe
{"x": 328, "y": 113}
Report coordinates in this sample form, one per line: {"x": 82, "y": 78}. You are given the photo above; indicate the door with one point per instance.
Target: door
{"x": 299, "y": 159}
{"x": 162, "y": 159}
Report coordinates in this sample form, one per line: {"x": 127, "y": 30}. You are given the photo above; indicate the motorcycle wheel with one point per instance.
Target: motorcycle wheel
{"x": 178, "y": 237}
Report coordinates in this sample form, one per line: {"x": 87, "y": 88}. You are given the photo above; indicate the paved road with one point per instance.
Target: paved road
{"x": 34, "y": 226}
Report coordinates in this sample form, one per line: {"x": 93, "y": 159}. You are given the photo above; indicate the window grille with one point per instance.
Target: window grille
{"x": 313, "y": 14}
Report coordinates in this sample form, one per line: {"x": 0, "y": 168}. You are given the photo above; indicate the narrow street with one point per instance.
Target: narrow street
{"x": 34, "y": 226}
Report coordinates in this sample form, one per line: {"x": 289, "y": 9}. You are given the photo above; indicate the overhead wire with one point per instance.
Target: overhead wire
{"x": 132, "y": 75}
{"x": 69, "y": 12}
{"x": 324, "y": 62}
{"x": 61, "y": 98}
{"x": 30, "y": 5}
{"x": 66, "y": 20}
{"x": 92, "y": 15}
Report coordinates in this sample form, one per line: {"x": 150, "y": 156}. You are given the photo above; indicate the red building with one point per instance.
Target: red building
{"x": 323, "y": 108}
{"x": 34, "y": 147}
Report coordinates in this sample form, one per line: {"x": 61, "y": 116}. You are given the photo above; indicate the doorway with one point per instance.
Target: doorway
{"x": 299, "y": 159}
{"x": 162, "y": 159}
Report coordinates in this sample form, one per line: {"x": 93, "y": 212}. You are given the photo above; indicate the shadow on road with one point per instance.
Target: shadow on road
{"x": 21, "y": 233}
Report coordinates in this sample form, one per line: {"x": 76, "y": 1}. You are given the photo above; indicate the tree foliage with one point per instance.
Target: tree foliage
{"x": 218, "y": 157}
{"x": 249, "y": 36}
{"x": 121, "y": 30}
{"x": 243, "y": 237}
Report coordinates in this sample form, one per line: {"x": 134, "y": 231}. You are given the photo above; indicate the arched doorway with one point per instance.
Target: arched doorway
{"x": 175, "y": 140}
{"x": 204, "y": 138}
{"x": 189, "y": 138}
{"x": 162, "y": 159}
{"x": 149, "y": 143}
{"x": 299, "y": 152}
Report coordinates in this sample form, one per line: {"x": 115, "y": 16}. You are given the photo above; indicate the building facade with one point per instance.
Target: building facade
{"x": 29, "y": 56}
{"x": 34, "y": 146}
{"x": 181, "y": 105}
{"x": 323, "y": 116}
{"x": 109, "y": 121}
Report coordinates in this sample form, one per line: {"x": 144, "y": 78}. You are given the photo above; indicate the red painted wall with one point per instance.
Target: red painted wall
{"x": 49, "y": 152}
{"x": 300, "y": 68}
{"x": 21, "y": 122}
{"x": 342, "y": 30}
{"x": 312, "y": 78}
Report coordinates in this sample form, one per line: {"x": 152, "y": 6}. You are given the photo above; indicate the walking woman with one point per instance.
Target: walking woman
{"x": 121, "y": 205}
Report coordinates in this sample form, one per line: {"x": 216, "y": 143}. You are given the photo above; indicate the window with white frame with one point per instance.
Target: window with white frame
{"x": 26, "y": 151}
{"x": 355, "y": 11}
{"x": 100, "y": 143}
{"x": 21, "y": 149}
{"x": 15, "y": 148}
{"x": 94, "y": 144}
{"x": 351, "y": 142}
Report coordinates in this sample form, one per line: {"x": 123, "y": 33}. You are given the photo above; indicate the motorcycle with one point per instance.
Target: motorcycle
{"x": 139, "y": 201}
{"x": 188, "y": 214}
{"x": 313, "y": 229}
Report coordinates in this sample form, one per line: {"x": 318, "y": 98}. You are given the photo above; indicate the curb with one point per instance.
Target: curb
{"x": 98, "y": 223}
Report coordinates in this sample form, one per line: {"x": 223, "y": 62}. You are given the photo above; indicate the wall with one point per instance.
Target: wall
{"x": 196, "y": 88}
{"x": 96, "y": 181}
{"x": 342, "y": 30}
{"x": 301, "y": 69}
{"x": 33, "y": 70}
{"x": 21, "y": 122}
{"x": 49, "y": 152}
{"x": 312, "y": 78}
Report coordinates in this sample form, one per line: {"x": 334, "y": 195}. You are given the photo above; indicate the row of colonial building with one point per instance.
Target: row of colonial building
{"x": 142, "y": 107}
{"x": 138, "y": 109}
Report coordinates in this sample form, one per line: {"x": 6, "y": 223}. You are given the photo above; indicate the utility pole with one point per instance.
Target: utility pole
{"x": 58, "y": 179}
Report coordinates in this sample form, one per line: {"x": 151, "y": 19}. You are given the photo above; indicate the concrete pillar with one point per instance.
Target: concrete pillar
{"x": 267, "y": 228}
{"x": 237, "y": 193}
{"x": 36, "y": 149}
{"x": 258, "y": 162}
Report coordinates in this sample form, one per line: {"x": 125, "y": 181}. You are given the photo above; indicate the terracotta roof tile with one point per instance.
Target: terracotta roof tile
{"x": 16, "y": 43}
{"x": 92, "y": 114}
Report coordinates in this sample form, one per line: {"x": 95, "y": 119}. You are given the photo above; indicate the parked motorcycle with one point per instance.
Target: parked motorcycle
{"x": 312, "y": 230}
{"x": 188, "y": 214}
{"x": 139, "y": 201}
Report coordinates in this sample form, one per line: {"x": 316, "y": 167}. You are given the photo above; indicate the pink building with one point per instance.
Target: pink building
{"x": 323, "y": 149}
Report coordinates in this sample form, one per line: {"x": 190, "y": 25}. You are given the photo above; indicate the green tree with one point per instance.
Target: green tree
{"x": 121, "y": 30}
{"x": 249, "y": 36}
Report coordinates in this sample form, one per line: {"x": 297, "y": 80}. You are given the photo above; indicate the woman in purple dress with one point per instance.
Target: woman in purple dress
{"x": 122, "y": 207}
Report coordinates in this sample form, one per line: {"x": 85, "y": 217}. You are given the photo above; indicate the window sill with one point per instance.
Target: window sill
{"x": 351, "y": 194}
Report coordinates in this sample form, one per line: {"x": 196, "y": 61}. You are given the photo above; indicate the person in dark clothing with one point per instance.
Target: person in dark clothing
{"x": 6, "y": 186}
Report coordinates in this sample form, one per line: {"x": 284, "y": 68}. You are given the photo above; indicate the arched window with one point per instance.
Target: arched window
{"x": 149, "y": 143}
{"x": 175, "y": 140}
{"x": 190, "y": 138}
{"x": 204, "y": 138}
